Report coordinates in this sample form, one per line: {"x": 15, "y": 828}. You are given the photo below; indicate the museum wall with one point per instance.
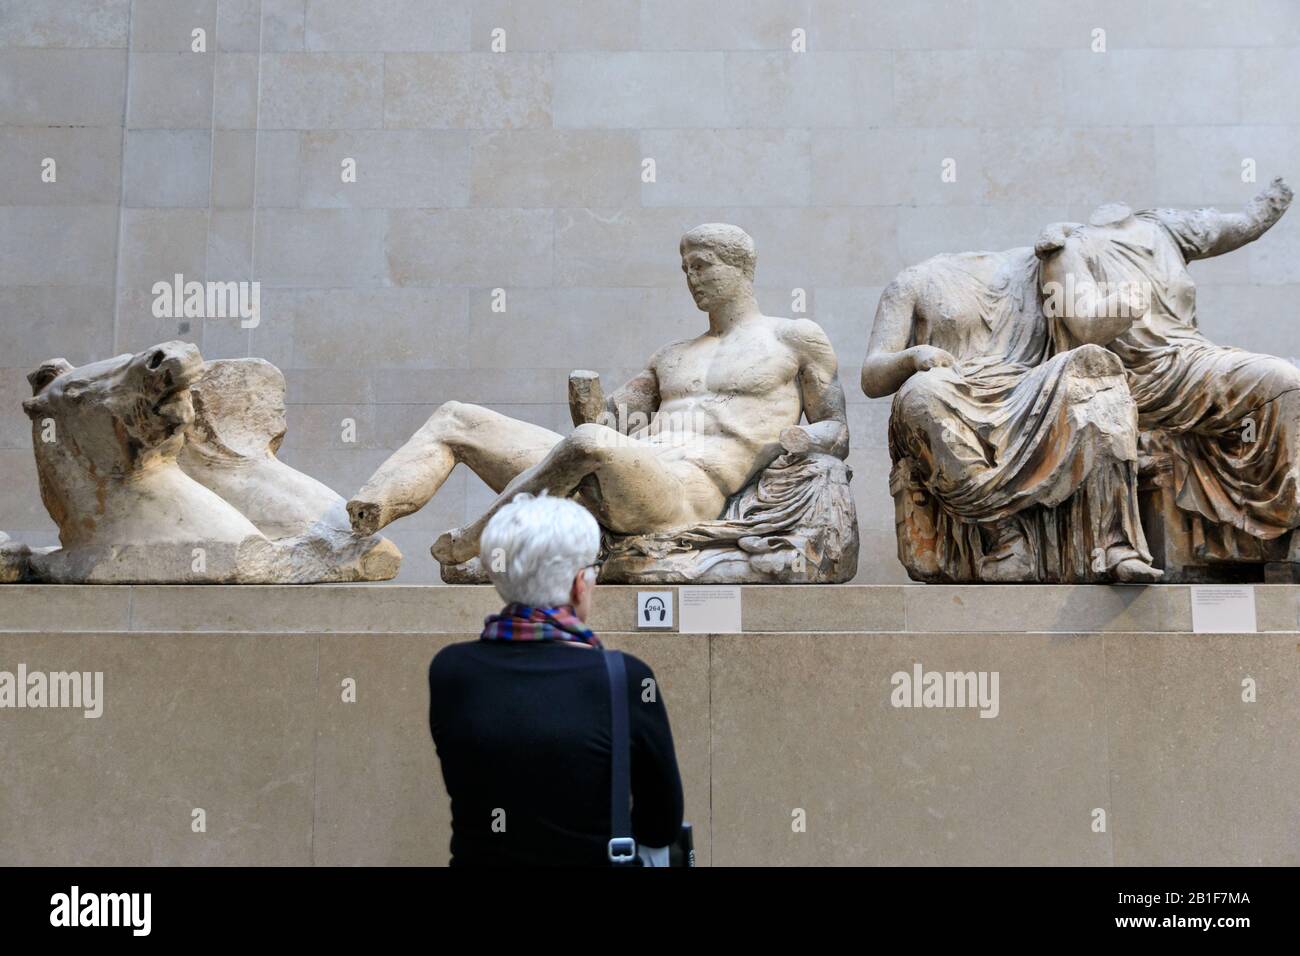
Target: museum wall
{"x": 523, "y": 171}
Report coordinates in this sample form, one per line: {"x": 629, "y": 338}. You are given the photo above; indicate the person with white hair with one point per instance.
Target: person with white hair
{"x": 521, "y": 717}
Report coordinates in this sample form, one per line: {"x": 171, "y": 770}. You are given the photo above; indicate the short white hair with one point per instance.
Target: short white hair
{"x": 534, "y": 547}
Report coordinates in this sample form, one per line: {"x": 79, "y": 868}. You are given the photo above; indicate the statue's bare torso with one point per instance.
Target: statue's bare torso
{"x": 725, "y": 399}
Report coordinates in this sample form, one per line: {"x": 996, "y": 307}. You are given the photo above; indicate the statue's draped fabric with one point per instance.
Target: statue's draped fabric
{"x": 1232, "y": 416}
{"x": 1019, "y": 462}
{"x": 797, "y": 516}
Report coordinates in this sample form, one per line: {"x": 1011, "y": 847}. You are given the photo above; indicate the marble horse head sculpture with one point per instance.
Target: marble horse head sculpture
{"x": 159, "y": 467}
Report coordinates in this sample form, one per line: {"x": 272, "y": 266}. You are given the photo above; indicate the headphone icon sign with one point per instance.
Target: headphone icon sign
{"x": 661, "y": 608}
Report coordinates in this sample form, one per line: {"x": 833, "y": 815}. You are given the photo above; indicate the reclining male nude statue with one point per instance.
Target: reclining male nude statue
{"x": 1227, "y": 420}
{"x": 1014, "y": 454}
{"x": 702, "y": 423}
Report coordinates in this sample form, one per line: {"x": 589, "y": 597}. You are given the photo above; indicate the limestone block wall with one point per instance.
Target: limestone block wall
{"x": 231, "y": 700}
{"x": 522, "y": 170}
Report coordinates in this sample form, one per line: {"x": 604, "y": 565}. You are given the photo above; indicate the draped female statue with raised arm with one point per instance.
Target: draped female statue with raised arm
{"x": 1230, "y": 418}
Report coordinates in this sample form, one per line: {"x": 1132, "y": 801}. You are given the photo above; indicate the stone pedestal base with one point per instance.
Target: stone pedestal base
{"x": 232, "y": 699}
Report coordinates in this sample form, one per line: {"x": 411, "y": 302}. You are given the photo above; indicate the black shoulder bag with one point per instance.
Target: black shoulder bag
{"x": 622, "y": 849}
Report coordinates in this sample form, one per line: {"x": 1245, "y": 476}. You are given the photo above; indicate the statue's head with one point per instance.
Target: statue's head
{"x": 718, "y": 260}
{"x": 118, "y": 414}
{"x": 1110, "y": 214}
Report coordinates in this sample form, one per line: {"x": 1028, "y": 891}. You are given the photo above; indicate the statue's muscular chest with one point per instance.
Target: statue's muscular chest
{"x": 739, "y": 364}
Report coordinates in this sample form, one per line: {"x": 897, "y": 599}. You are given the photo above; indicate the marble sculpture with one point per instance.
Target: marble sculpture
{"x": 1058, "y": 415}
{"x": 722, "y": 461}
{"x": 161, "y": 468}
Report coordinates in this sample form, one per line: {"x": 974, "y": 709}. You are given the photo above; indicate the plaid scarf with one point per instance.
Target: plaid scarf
{"x": 518, "y": 622}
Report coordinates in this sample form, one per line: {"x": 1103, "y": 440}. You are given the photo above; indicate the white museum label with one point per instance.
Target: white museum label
{"x": 710, "y": 610}
{"x": 1223, "y": 609}
{"x": 654, "y": 610}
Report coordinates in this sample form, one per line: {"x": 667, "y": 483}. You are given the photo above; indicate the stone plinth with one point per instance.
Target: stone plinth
{"x": 230, "y": 699}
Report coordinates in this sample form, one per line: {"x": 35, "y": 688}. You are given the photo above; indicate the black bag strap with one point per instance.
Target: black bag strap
{"x": 622, "y": 848}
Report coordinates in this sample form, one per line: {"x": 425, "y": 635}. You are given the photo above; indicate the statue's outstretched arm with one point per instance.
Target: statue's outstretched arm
{"x": 1203, "y": 233}
{"x": 827, "y": 430}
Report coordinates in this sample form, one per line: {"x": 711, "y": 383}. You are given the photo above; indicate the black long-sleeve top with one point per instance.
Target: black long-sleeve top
{"x": 522, "y": 729}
